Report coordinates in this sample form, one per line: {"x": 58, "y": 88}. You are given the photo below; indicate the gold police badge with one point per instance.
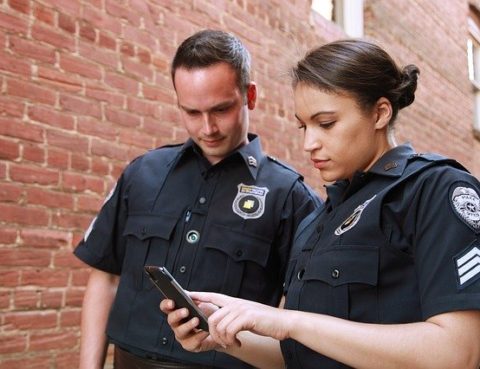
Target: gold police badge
{"x": 250, "y": 201}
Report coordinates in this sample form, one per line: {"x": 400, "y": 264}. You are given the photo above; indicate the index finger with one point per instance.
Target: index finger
{"x": 214, "y": 298}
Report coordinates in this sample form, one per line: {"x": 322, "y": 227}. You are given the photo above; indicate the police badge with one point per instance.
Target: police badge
{"x": 466, "y": 203}
{"x": 353, "y": 219}
{"x": 250, "y": 201}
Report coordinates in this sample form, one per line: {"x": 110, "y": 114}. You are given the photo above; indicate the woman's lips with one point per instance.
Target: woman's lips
{"x": 319, "y": 164}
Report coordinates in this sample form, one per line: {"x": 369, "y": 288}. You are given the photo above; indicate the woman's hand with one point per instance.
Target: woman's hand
{"x": 186, "y": 332}
{"x": 261, "y": 352}
{"x": 237, "y": 315}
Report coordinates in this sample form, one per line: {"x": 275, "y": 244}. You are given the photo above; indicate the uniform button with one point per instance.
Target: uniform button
{"x": 192, "y": 236}
{"x": 164, "y": 340}
{"x": 335, "y": 273}
{"x": 239, "y": 253}
{"x": 300, "y": 274}
{"x": 183, "y": 268}
{"x": 202, "y": 200}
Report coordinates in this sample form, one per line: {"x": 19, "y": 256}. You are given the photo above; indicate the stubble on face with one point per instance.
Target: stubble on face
{"x": 213, "y": 109}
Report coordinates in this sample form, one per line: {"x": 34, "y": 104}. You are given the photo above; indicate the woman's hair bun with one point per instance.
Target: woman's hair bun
{"x": 408, "y": 85}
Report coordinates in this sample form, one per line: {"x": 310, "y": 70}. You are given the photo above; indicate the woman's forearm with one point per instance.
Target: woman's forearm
{"x": 259, "y": 351}
{"x": 449, "y": 340}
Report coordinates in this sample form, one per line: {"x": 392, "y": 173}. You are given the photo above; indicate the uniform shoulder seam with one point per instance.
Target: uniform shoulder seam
{"x": 282, "y": 164}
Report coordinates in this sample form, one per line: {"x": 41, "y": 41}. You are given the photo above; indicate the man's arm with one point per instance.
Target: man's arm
{"x": 98, "y": 299}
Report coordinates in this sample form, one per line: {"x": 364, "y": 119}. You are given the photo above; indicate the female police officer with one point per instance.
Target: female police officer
{"x": 387, "y": 275}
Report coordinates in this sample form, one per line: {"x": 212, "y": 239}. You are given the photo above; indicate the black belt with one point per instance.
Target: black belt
{"x": 126, "y": 360}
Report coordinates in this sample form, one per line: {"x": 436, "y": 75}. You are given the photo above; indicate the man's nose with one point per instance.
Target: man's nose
{"x": 209, "y": 126}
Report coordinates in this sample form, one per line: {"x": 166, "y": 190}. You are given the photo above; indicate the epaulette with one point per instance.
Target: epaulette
{"x": 440, "y": 159}
{"x": 282, "y": 164}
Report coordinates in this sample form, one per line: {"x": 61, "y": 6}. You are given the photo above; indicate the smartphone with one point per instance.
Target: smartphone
{"x": 170, "y": 288}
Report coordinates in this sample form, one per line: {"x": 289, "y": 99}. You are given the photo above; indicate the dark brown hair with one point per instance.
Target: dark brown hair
{"x": 209, "y": 47}
{"x": 360, "y": 68}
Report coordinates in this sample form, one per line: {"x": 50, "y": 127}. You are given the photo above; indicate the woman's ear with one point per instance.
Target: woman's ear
{"x": 383, "y": 110}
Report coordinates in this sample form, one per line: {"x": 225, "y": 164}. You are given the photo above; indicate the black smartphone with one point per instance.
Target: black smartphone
{"x": 170, "y": 288}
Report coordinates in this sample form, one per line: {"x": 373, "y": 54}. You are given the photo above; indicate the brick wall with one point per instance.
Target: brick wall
{"x": 84, "y": 88}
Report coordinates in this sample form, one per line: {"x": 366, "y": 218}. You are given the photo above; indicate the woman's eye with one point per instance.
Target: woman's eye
{"x": 301, "y": 126}
{"x": 327, "y": 125}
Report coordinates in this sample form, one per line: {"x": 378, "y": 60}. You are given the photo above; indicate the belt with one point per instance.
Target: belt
{"x": 126, "y": 360}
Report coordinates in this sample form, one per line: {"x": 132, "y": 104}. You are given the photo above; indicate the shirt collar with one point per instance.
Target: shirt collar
{"x": 392, "y": 164}
{"x": 394, "y": 161}
{"x": 251, "y": 153}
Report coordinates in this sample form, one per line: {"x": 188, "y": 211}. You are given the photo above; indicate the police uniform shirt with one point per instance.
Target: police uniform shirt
{"x": 398, "y": 244}
{"x": 225, "y": 228}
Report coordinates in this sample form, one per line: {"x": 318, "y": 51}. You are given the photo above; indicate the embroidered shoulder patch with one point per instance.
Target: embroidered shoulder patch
{"x": 250, "y": 201}
{"x": 467, "y": 265}
{"x": 466, "y": 204}
{"x": 90, "y": 227}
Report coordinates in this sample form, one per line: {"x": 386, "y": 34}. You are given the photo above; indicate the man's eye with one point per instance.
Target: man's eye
{"x": 192, "y": 112}
{"x": 222, "y": 110}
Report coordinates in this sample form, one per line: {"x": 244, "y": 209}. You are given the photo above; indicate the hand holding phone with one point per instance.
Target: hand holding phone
{"x": 170, "y": 288}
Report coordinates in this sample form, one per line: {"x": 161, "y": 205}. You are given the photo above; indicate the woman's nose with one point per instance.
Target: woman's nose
{"x": 311, "y": 141}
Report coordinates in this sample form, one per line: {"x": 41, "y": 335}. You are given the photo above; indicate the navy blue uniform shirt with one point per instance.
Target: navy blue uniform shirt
{"x": 397, "y": 244}
{"x": 225, "y": 228}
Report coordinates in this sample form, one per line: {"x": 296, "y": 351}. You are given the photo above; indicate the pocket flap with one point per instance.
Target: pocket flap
{"x": 145, "y": 226}
{"x": 240, "y": 246}
{"x": 344, "y": 265}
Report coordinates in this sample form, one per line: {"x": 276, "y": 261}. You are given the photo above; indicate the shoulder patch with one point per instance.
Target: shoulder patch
{"x": 465, "y": 202}
{"x": 92, "y": 223}
{"x": 467, "y": 266}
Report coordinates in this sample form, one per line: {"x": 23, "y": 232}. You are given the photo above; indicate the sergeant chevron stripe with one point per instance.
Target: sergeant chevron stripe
{"x": 468, "y": 265}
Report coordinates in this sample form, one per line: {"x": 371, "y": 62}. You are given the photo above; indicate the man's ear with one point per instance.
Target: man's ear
{"x": 251, "y": 95}
{"x": 383, "y": 110}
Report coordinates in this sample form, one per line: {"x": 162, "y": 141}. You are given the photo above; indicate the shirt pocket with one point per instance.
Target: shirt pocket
{"x": 349, "y": 278}
{"x": 235, "y": 259}
{"x": 142, "y": 231}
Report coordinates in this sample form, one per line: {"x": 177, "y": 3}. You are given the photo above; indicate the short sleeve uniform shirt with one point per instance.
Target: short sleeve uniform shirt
{"x": 397, "y": 244}
{"x": 226, "y": 228}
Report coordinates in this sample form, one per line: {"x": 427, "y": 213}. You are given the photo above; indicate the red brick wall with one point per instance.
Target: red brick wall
{"x": 433, "y": 35}
{"x": 84, "y": 88}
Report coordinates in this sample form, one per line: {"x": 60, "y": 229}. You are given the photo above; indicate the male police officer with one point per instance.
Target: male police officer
{"x": 216, "y": 211}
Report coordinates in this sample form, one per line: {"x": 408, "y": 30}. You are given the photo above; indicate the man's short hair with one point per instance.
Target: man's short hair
{"x": 208, "y": 47}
